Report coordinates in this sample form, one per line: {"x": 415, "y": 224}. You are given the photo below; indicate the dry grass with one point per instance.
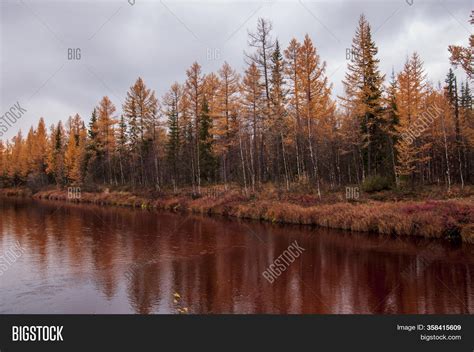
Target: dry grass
{"x": 428, "y": 219}
{"x": 15, "y": 192}
{"x": 467, "y": 234}
{"x": 433, "y": 219}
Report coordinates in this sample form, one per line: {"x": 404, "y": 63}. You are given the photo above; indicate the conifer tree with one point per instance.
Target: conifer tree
{"x": 206, "y": 154}
{"x": 138, "y": 110}
{"x": 293, "y": 74}
{"x": 122, "y": 148}
{"x": 39, "y": 152}
{"x": 73, "y": 156}
{"x": 363, "y": 89}
{"x": 56, "y": 154}
{"x": 393, "y": 122}
{"x": 316, "y": 103}
{"x": 464, "y": 56}
{"x": 253, "y": 108}
{"x": 171, "y": 102}
{"x": 195, "y": 92}
{"x": 225, "y": 128}
{"x": 277, "y": 126}
{"x": 411, "y": 103}
{"x": 451, "y": 91}
{"x": 106, "y": 135}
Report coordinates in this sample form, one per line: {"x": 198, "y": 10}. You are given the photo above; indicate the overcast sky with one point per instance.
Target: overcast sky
{"x": 158, "y": 40}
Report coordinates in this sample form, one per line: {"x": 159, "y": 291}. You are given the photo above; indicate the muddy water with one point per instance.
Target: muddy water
{"x": 60, "y": 258}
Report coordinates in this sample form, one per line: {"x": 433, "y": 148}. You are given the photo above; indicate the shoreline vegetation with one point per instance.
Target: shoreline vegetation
{"x": 388, "y": 213}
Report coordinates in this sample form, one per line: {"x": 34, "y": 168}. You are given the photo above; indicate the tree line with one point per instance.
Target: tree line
{"x": 276, "y": 122}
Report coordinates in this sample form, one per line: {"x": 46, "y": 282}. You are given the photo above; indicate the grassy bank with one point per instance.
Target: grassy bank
{"x": 441, "y": 218}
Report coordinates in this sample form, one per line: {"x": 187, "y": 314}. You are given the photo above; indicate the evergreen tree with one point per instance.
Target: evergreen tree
{"x": 363, "y": 88}
{"x": 206, "y": 154}
{"x": 173, "y": 145}
{"x": 393, "y": 122}
{"x": 451, "y": 91}
{"x": 122, "y": 149}
{"x": 56, "y": 154}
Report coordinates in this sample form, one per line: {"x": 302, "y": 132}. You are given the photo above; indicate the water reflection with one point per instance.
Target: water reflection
{"x": 87, "y": 259}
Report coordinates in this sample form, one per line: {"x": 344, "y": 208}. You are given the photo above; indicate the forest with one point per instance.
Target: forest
{"x": 275, "y": 124}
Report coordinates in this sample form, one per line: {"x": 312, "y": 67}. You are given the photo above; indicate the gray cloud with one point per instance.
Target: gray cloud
{"x": 159, "y": 40}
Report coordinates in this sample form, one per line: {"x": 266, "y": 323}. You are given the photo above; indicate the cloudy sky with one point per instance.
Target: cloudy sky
{"x": 158, "y": 40}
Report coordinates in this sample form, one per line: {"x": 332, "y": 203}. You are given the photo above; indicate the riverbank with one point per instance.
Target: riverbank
{"x": 442, "y": 218}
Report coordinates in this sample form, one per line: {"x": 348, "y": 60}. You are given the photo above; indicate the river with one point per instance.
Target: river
{"x": 69, "y": 258}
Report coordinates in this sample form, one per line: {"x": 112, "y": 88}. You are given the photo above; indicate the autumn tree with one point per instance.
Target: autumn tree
{"x": 467, "y": 128}
{"x": 226, "y": 124}
{"x": 464, "y": 56}
{"x": 411, "y": 103}
{"x": 277, "y": 122}
{"x": 276, "y": 125}
{"x": 55, "y": 164}
{"x": 316, "y": 103}
{"x": 253, "y": 108}
{"x": 39, "y": 152}
{"x": 194, "y": 90}
{"x": 293, "y": 74}
{"x": 75, "y": 150}
{"x": 106, "y": 135}
{"x": 263, "y": 44}
{"x": 121, "y": 152}
{"x": 140, "y": 109}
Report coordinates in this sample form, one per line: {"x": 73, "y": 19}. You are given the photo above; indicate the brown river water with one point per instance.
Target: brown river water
{"x": 65, "y": 258}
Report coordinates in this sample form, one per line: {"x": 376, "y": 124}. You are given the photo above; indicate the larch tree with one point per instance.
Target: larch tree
{"x": 277, "y": 124}
{"x": 292, "y": 71}
{"x": 74, "y": 152}
{"x": 277, "y": 121}
{"x": 464, "y": 56}
{"x": 14, "y": 171}
{"x": 253, "y": 109}
{"x": 226, "y": 127}
{"x": 411, "y": 103}
{"x": 39, "y": 153}
{"x": 3, "y": 165}
{"x": 122, "y": 148}
{"x": 467, "y": 127}
{"x": 262, "y": 42}
{"x": 55, "y": 162}
{"x": 138, "y": 110}
{"x": 195, "y": 92}
{"x": 316, "y": 102}
{"x": 106, "y": 135}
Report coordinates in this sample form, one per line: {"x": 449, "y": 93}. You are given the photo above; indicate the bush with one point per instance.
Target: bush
{"x": 35, "y": 182}
{"x": 376, "y": 183}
